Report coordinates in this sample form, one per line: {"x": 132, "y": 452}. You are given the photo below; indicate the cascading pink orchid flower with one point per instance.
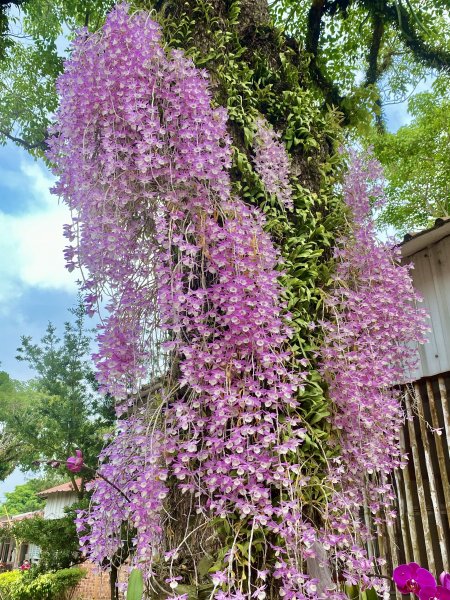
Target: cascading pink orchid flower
{"x": 143, "y": 160}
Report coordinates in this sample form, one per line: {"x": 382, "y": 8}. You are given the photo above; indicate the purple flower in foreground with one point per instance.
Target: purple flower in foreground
{"x": 444, "y": 579}
{"x": 75, "y": 463}
{"x": 434, "y": 593}
{"x": 411, "y": 578}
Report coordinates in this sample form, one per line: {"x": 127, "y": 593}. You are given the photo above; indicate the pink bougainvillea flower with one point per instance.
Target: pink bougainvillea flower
{"x": 444, "y": 579}
{"x": 75, "y": 463}
{"x": 434, "y": 593}
{"x": 412, "y": 577}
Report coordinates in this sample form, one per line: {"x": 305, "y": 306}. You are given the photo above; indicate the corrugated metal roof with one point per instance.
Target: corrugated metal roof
{"x": 415, "y": 242}
{"x": 62, "y": 487}
{"x": 429, "y": 251}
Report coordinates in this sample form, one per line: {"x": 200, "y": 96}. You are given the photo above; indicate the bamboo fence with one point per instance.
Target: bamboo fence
{"x": 421, "y": 530}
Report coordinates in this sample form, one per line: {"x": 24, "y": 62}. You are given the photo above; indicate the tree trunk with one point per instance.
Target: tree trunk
{"x": 257, "y": 71}
{"x": 113, "y": 579}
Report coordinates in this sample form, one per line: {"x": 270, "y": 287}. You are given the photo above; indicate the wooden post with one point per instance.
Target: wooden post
{"x": 410, "y": 506}
{"x": 394, "y": 552}
{"x": 431, "y": 477}
{"x": 382, "y": 549}
{"x": 419, "y": 483}
{"x": 393, "y": 548}
{"x": 445, "y": 409}
{"x": 403, "y": 511}
{"x": 369, "y": 525}
{"x": 439, "y": 449}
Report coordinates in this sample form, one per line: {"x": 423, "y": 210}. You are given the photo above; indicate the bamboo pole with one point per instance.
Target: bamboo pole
{"x": 390, "y": 530}
{"x": 445, "y": 409}
{"x": 393, "y": 551}
{"x": 420, "y": 489}
{"x": 403, "y": 511}
{"x": 439, "y": 449}
{"x": 410, "y": 506}
{"x": 392, "y": 542}
{"x": 382, "y": 549}
{"x": 431, "y": 477}
{"x": 369, "y": 525}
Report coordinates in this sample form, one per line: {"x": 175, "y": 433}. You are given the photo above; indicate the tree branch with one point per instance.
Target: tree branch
{"x": 314, "y": 28}
{"x": 373, "y": 72}
{"x": 431, "y": 57}
{"x": 41, "y": 145}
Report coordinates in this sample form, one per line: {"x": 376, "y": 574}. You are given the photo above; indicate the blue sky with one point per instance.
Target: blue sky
{"x": 35, "y": 287}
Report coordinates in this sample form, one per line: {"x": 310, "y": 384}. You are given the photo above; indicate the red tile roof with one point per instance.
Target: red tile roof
{"x": 22, "y": 516}
{"x": 62, "y": 487}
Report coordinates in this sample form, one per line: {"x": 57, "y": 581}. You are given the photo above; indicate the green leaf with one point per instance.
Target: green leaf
{"x": 371, "y": 594}
{"x": 135, "y": 585}
{"x": 204, "y": 565}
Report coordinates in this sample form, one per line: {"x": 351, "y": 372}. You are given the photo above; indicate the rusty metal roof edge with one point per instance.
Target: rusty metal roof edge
{"x": 415, "y": 242}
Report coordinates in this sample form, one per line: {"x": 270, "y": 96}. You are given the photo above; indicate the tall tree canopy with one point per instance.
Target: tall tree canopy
{"x": 58, "y": 411}
{"x": 365, "y": 53}
{"x": 33, "y": 37}
{"x": 362, "y": 53}
{"x": 417, "y": 165}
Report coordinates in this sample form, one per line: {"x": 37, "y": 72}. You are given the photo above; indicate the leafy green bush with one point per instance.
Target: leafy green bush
{"x": 7, "y": 581}
{"x": 48, "y": 586}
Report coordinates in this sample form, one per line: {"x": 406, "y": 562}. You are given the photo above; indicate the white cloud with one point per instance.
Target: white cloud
{"x": 31, "y": 242}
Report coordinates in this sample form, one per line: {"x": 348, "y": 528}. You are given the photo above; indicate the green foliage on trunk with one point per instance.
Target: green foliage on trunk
{"x": 255, "y": 70}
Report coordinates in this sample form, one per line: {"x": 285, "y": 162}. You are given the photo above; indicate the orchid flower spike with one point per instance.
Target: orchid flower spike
{"x": 75, "y": 463}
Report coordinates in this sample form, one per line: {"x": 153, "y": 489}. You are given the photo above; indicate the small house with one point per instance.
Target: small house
{"x": 58, "y": 498}
{"x": 14, "y": 552}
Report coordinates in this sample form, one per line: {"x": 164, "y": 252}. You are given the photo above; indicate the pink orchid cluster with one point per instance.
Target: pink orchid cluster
{"x": 132, "y": 463}
{"x": 272, "y": 162}
{"x": 370, "y": 346}
{"x": 413, "y": 579}
{"x": 191, "y": 277}
{"x": 109, "y": 148}
{"x": 142, "y": 160}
